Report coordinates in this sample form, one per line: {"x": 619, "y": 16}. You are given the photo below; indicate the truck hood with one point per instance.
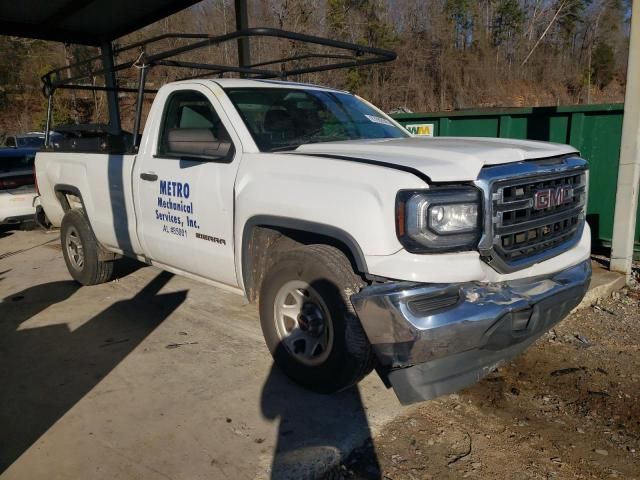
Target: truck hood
{"x": 442, "y": 159}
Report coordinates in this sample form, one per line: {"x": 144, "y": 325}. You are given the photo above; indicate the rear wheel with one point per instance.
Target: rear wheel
{"x": 81, "y": 250}
{"x": 308, "y": 321}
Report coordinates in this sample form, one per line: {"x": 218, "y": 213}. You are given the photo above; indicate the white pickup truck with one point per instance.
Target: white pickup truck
{"x": 432, "y": 260}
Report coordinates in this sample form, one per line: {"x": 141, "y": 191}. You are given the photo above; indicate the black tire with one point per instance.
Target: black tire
{"x": 75, "y": 229}
{"x": 328, "y": 272}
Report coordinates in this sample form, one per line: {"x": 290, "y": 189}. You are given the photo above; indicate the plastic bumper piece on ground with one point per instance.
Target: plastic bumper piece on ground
{"x": 433, "y": 339}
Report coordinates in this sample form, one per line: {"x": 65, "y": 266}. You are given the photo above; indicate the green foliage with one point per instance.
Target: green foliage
{"x": 451, "y": 53}
{"x": 62, "y": 113}
{"x": 12, "y": 56}
{"x": 460, "y": 14}
{"x": 508, "y": 21}
{"x": 378, "y": 32}
{"x": 457, "y": 8}
{"x": 353, "y": 80}
{"x": 4, "y": 99}
{"x": 338, "y": 11}
{"x": 336, "y": 15}
{"x": 603, "y": 64}
{"x": 612, "y": 13}
{"x": 571, "y": 15}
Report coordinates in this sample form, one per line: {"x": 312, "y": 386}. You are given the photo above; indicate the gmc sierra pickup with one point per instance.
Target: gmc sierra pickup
{"x": 432, "y": 260}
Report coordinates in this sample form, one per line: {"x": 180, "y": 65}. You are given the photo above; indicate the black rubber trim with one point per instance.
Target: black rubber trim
{"x": 64, "y": 188}
{"x": 61, "y": 188}
{"x": 272, "y": 221}
{"x": 41, "y": 217}
{"x": 368, "y": 161}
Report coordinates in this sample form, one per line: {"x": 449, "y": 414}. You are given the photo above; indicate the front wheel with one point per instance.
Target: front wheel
{"x": 308, "y": 321}
{"x": 81, "y": 250}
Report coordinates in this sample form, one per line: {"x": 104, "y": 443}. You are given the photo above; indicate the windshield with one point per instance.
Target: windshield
{"x": 283, "y": 119}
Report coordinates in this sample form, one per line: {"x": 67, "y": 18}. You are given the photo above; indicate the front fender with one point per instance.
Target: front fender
{"x": 353, "y": 200}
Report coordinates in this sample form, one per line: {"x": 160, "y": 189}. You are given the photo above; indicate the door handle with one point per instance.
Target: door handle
{"x": 149, "y": 177}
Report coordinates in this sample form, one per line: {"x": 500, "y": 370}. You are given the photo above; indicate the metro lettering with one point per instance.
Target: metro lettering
{"x": 174, "y": 189}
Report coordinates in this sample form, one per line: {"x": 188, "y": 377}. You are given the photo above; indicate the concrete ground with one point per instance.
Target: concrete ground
{"x": 155, "y": 376}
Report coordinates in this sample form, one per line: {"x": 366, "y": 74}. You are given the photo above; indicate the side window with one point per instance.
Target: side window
{"x": 191, "y": 128}
{"x": 20, "y": 164}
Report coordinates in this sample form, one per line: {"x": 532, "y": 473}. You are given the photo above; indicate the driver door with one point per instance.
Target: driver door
{"x": 184, "y": 189}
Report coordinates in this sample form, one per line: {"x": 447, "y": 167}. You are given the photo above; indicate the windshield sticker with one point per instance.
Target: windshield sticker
{"x": 382, "y": 121}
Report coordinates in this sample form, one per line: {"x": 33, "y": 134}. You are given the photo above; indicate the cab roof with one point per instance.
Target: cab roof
{"x": 256, "y": 83}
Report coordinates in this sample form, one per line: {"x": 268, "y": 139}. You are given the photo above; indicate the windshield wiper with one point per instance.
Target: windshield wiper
{"x": 310, "y": 140}
{"x": 285, "y": 148}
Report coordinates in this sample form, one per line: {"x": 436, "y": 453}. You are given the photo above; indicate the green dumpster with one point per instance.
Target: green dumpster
{"x": 595, "y": 130}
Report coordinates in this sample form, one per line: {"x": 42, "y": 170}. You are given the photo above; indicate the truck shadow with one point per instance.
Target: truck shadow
{"x": 5, "y": 231}
{"x": 125, "y": 266}
{"x": 316, "y": 432}
{"x": 46, "y": 370}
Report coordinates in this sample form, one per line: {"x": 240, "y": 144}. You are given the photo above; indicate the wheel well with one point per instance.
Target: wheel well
{"x": 262, "y": 242}
{"x": 69, "y": 197}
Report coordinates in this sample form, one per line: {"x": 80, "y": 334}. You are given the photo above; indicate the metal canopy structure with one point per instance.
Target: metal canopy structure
{"x": 333, "y": 54}
{"x": 339, "y": 54}
{"x": 99, "y": 22}
{"x": 86, "y": 22}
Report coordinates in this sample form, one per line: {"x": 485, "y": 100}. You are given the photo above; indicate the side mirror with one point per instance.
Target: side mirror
{"x": 196, "y": 142}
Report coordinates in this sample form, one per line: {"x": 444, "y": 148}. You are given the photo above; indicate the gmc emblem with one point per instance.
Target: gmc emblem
{"x": 552, "y": 197}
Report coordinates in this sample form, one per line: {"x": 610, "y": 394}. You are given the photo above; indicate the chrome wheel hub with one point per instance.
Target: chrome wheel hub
{"x": 75, "y": 250}
{"x": 302, "y": 323}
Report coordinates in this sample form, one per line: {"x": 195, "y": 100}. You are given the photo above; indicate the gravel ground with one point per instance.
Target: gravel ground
{"x": 567, "y": 408}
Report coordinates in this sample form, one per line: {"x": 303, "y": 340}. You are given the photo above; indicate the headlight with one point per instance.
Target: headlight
{"x": 462, "y": 217}
{"x": 439, "y": 219}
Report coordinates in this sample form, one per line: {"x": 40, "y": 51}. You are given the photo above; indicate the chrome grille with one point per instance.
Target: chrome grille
{"x": 521, "y": 229}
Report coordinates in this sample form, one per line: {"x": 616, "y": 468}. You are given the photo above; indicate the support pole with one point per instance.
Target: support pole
{"x": 47, "y": 128}
{"x": 242, "y": 23}
{"x": 110, "y": 82}
{"x": 624, "y": 223}
{"x": 142, "y": 78}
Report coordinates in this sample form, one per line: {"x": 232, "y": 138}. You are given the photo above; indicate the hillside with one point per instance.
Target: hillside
{"x": 452, "y": 54}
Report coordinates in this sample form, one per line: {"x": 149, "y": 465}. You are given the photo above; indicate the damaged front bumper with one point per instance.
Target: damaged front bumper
{"x": 433, "y": 339}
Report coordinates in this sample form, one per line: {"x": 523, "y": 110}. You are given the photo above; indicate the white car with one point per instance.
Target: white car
{"x": 431, "y": 259}
{"x": 17, "y": 185}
